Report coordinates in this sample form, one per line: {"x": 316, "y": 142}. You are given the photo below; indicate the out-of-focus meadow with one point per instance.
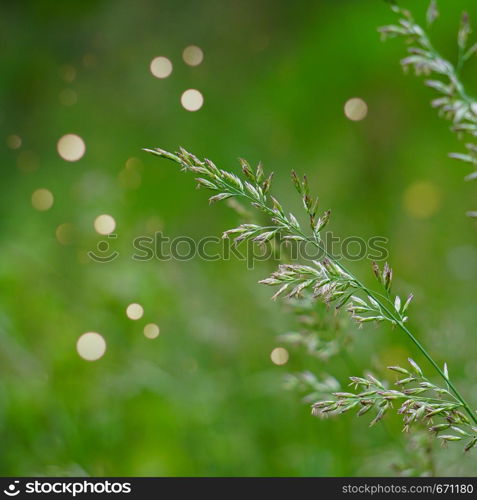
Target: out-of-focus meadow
{"x": 204, "y": 397}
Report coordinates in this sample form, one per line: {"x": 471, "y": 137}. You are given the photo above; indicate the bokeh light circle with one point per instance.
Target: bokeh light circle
{"x": 134, "y": 311}
{"x": 161, "y": 67}
{"x": 71, "y": 147}
{"x": 193, "y": 55}
{"x": 192, "y": 100}
{"x": 91, "y": 346}
{"x": 151, "y": 331}
{"x": 14, "y": 141}
{"x": 104, "y": 224}
{"x": 279, "y": 356}
{"x": 42, "y": 199}
{"x": 355, "y": 109}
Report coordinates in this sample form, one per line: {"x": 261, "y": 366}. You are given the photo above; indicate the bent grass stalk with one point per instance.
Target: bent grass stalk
{"x": 329, "y": 280}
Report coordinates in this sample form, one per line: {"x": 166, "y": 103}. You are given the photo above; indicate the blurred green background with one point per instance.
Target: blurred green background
{"x": 204, "y": 398}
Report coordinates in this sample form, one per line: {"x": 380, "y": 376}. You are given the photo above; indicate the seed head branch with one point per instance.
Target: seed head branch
{"x": 453, "y": 101}
{"x": 416, "y": 399}
{"x": 328, "y": 279}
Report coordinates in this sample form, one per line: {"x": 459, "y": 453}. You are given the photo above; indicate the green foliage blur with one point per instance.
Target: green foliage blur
{"x": 204, "y": 398}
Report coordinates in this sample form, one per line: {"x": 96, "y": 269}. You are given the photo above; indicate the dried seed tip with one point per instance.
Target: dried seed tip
{"x": 406, "y": 304}
{"x": 368, "y": 319}
{"x": 466, "y": 158}
{"x": 328, "y": 265}
{"x": 263, "y": 237}
{"x": 390, "y": 394}
{"x": 349, "y": 407}
{"x": 460, "y": 431}
{"x": 163, "y": 153}
{"x": 359, "y": 381}
{"x": 415, "y": 366}
{"x": 212, "y": 166}
{"x": 259, "y": 175}
{"x": 331, "y": 408}
{"x": 184, "y": 154}
{"x": 387, "y": 277}
{"x": 405, "y": 381}
{"x": 359, "y": 301}
{"x": 464, "y": 30}
{"x": 391, "y": 31}
{"x": 378, "y": 417}
{"x": 463, "y": 418}
{"x": 322, "y": 221}
{"x": 432, "y": 12}
{"x": 377, "y": 271}
{"x": 280, "y": 291}
{"x": 296, "y": 182}
{"x": 343, "y": 301}
{"x": 307, "y": 203}
{"x": 344, "y": 394}
{"x": 398, "y": 369}
{"x": 255, "y": 192}
{"x": 269, "y": 281}
{"x": 320, "y": 413}
{"x": 470, "y": 444}
{"x": 293, "y": 221}
{"x": 428, "y": 385}
{"x": 314, "y": 206}
{"x": 439, "y": 86}
{"x": 246, "y": 169}
{"x": 374, "y": 380}
{"x": 277, "y": 206}
{"x": 439, "y": 427}
{"x": 471, "y": 176}
{"x": 397, "y": 303}
{"x": 414, "y": 391}
{"x": 219, "y": 197}
{"x": 267, "y": 183}
{"x": 365, "y": 409}
{"x": 323, "y": 404}
{"x": 420, "y": 412}
{"x": 206, "y": 183}
{"x": 449, "y": 437}
{"x": 436, "y": 411}
{"x": 195, "y": 160}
